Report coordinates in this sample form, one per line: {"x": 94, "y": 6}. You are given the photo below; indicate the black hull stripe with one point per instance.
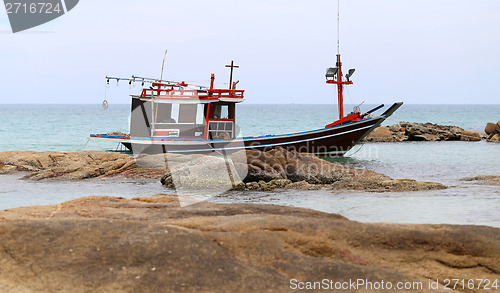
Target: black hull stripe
{"x": 260, "y": 145}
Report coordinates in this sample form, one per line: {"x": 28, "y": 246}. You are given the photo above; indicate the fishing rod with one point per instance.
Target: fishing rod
{"x": 169, "y": 82}
{"x": 142, "y": 80}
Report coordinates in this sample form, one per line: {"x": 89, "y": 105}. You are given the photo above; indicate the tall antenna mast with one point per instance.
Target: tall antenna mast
{"x": 338, "y": 27}
{"x": 334, "y": 75}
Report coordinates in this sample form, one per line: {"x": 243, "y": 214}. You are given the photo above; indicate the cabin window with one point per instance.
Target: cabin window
{"x": 175, "y": 113}
{"x": 187, "y": 113}
{"x": 221, "y": 112}
{"x": 183, "y": 113}
{"x": 179, "y": 120}
{"x": 163, "y": 113}
{"x": 200, "y": 114}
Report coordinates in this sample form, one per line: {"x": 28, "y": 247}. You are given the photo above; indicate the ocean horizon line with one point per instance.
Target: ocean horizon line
{"x": 127, "y": 104}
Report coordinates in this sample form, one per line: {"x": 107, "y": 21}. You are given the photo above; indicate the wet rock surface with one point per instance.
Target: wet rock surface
{"x": 279, "y": 168}
{"x": 282, "y": 164}
{"x": 200, "y": 172}
{"x": 151, "y": 244}
{"x": 405, "y": 131}
{"x": 252, "y": 170}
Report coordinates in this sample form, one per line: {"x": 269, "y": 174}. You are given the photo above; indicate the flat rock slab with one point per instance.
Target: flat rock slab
{"x": 74, "y": 165}
{"x": 484, "y": 179}
{"x": 151, "y": 244}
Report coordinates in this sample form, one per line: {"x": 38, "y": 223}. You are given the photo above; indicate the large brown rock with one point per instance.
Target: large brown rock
{"x": 405, "y": 131}
{"x": 490, "y": 128}
{"x": 151, "y": 244}
{"x": 381, "y": 134}
{"x": 431, "y": 132}
{"x": 260, "y": 170}
{"x": 307, "y": 171}
{"x": 277, "y": 168}
{"x": 292, "y": 165}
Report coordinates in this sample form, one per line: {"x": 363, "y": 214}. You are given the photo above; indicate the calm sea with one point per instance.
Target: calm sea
{"x": 67, "y": 127}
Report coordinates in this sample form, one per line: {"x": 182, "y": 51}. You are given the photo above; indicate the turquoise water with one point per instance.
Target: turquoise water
{"x": 67, "y": 127}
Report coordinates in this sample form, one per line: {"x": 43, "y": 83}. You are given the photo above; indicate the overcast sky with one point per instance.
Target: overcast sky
{"x": 416, "y": 51}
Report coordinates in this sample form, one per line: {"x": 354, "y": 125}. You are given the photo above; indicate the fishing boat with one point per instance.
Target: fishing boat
{"x": 177, "y": 117}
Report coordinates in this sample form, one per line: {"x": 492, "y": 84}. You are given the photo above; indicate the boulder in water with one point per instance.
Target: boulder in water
{"x": 282, "y": 164}
{"x": 381, "y": 134}
{"x": 406, "y": 131}
{"x": 490, "y": 128}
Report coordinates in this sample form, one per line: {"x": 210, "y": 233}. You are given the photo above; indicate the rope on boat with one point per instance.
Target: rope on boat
{"x": 349, "y": 94}
{"x": 81, "y": 149}
{"x": 361, "y": 145}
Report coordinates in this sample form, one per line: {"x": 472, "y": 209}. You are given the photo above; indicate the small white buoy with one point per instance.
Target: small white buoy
{"x": 105, "y": 105}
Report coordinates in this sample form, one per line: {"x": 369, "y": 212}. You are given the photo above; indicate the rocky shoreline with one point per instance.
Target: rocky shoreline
{"x": 160, "y": 244}
{"x": 406, "y": 131}
{"x": 250, "y": 170}
{"x": 151, "y": 244}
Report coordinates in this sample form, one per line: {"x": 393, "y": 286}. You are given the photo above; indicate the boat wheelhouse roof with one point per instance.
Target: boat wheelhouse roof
{"x": 182, "y": 93}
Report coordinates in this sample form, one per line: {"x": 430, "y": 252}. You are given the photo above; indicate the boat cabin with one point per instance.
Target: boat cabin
{"x": 180, "y": 111}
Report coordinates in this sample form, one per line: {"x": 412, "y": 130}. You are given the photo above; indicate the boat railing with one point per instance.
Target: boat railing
{"x": 190, "y": 94}
{"x": 168, "y": 93}
{"x": 219, "y": 93}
